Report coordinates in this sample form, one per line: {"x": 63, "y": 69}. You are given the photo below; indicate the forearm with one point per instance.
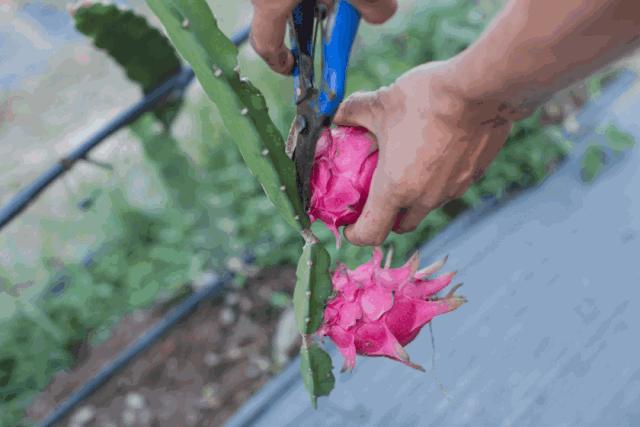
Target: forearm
{"x": 536, "y": 47}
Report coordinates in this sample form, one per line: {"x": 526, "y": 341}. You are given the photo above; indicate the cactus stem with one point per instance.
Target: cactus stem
{"x": 185, "y": 23}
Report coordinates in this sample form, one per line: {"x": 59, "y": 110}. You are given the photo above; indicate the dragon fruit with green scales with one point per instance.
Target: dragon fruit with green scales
{"x": 377, "y": 310}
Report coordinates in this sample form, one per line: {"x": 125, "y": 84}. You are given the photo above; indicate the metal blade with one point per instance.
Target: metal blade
{"x": 303, "y": 157}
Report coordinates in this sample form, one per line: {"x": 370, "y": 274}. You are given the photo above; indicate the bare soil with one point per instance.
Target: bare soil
{"x": 196, "y": 375}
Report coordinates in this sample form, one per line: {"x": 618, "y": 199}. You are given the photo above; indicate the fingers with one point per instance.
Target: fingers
{"x": 267, "y": 36}
{"x": 376, "y": 11}
{"x": 269, "y": 26}
{"x": 412, "y": 218}
{"x": 360, "y": 109}
{"x": 377, "y": 218}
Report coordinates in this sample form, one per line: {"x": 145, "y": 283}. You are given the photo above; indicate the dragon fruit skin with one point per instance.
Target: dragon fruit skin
{"x": 345, "y": 160}
{"x": 376, "y": 310}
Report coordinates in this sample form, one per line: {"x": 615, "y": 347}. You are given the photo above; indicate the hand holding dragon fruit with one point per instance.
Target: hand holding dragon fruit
{"x": 377, "y": 310}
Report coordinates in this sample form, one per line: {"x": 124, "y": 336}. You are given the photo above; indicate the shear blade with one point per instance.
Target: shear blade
{"x": 303, "y": 158}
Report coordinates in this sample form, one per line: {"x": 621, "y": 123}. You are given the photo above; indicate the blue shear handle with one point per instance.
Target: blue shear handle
{"x": 337, "y": 49}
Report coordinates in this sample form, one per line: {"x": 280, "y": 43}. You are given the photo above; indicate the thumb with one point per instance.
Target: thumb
{"x": 378, "y": 216}
{"x": 362, "y": 109}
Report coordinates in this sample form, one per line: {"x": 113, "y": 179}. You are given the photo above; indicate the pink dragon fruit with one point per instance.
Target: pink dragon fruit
{"x": 343, "y": 167}
{"x": 377, "y": 310}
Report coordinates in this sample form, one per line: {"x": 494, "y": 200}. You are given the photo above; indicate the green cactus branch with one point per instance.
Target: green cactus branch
{"x": 143, "y": 52}
{"x": 317, "y": 376}
{"x": 172, "y": 163}
{"x": 193, "y": 30}
{"x": 313, "y": 287}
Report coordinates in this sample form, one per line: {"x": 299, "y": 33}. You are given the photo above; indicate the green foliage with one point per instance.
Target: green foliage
{"x": 618, "y": 140}
{"x": 141, "y": 50}
{"x": 592, "y": 162}
{"x": 280, "y": 299}
{"x": 596, "y": 156}
{"x": 316, "y": 371}
{"x": 194, "y": 31}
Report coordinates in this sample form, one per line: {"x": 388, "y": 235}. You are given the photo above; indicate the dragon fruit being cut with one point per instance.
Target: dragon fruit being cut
{"x": 343, "y": 167}
{"x": 377, "y": 310}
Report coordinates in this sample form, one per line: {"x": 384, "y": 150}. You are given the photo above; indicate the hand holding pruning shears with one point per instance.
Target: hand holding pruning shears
{"x": 270, "y": 18}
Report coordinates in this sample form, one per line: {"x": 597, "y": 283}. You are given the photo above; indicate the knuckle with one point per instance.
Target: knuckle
{"x": 257, "y": 46}
{"x": 378, "y": 11}
{"x": 479, "y": 172}
{"x": 376, "y": 241}
{"x": 393, "y": 8}
{"x": 378, "y": 100}
{"x": 407, "y": 228}
{"x": 404, "y": 191}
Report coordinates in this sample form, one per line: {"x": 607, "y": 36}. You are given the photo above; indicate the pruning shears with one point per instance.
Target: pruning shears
{"x": 316, "y": 105}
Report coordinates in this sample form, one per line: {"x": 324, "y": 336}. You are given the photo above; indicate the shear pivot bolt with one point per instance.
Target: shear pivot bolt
{"x": 244, "y": 111}
{"x": 265, "y": 152}
{"x": 283, "y": 188}
{"x": 217, "y": 71}
{"x": 185, "y": 23}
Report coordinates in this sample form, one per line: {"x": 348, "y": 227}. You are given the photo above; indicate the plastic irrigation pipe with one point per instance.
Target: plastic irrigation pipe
{"x": 28, "y": 194}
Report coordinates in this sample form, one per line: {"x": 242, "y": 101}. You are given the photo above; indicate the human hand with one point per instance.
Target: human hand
{"x": 270, "y": 21}
{"x": 433, "y": 143}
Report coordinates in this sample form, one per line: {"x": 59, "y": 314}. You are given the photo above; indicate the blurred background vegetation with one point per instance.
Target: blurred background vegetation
{"x": 178, "y": 202}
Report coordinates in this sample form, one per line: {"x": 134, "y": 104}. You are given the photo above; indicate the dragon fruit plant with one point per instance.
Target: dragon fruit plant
{"x": 371, "y": 310}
